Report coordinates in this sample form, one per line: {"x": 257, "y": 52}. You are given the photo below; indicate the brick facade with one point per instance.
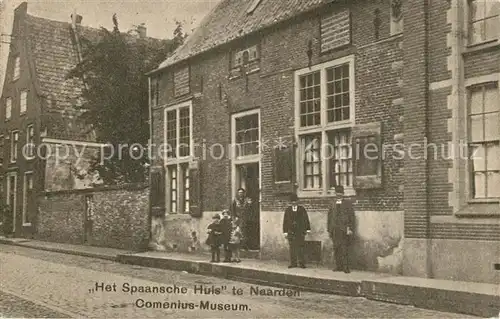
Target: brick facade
{"x": 414, "y": 83}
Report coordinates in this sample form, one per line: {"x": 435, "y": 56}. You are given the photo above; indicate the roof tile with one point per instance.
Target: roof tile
{"x": 229, "y": 20}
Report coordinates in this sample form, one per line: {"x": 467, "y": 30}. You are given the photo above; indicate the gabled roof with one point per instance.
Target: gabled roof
{"x": 53, "y": 52}
{"x": 229, "y": 20}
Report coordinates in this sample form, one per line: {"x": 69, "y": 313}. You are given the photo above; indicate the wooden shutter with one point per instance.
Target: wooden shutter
{"x": 367, "y": 155}
{"x": 284, "y": 169}
{"x": 157, "y": 191}
{"x": 335, "y": 30}
{"x": 181, "y": 81}
{"x": 195, "y": 200}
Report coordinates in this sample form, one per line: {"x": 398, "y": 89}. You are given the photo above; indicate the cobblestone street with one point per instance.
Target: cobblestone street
{"x": 45, "y": 284}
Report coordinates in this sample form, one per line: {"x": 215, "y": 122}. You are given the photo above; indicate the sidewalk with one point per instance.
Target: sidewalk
{"x": 477, "y": 299}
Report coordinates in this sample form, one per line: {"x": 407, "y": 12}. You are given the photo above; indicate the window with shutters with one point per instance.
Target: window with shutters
{"x": 324, "y": 113}
{"x": 484, "y": 141}
{"x": 178, "y": 154}
{"x": 484, "y": 21}
{"x": 335, "y": 30}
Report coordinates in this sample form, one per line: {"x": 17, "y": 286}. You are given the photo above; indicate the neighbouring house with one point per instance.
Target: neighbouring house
{"x": 44, "y": 146}
{"x": 296, "y": 87}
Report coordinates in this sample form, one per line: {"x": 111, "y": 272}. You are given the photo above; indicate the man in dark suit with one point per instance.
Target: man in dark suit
{"x": 295, "y": 226}
{"x": 341, "y": 229}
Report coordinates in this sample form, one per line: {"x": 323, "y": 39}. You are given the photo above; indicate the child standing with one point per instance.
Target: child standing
{"x": 225, "y": 226}
{"x": 235, "y": 240}
{"x": 214, "y": 234}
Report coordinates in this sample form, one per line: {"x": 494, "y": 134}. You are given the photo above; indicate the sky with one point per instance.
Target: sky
{"x": 159, "y": 16}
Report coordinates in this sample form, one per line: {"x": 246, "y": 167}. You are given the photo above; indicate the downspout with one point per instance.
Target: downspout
{"x": 428, "y": 231}
{"x": 150, "y": 115}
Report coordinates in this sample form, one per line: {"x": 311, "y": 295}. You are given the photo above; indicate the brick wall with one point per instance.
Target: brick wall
{"x": 119, "y": 219}
{"x": 415, "y": 116}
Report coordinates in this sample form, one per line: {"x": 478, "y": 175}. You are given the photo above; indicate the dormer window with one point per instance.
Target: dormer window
{"x": 246, "y": 56}
{"x": 17, "y": 68}
{"x": 245, "y": 60}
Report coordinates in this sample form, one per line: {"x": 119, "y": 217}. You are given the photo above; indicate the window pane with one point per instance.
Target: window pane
{"x": 491, "y": 28}
{"x": 476, "y": 101}
{"x": 476, "y": 128}
{"x": 479, "y": 185}
{"x": 477, "y": 32}
{"x": 478, "y": 158}
{"x": 493, "y": 156}
{"x": 491, "y": 100}
{"x": 492, "y": 126}
{"x": 311, "y": 148}
{"x": 493, "y": 184}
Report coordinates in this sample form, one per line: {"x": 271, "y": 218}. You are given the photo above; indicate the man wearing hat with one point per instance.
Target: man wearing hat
{"x": 340, "y": 228}
{"x": 295, "y": 226}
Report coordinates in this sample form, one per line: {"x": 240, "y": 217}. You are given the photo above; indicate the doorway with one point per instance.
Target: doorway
{"x": 247, "y": 177}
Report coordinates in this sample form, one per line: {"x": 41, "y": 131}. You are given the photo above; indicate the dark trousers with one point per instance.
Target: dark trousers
{"x": 215, "y": 253}
{"x": 296, "y": 243}
{"x": 341, "y": 253}
{"x": 227, "y": 252}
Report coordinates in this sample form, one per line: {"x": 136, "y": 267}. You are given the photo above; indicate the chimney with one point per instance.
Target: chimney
{"x": 142, "y": 30}
{"x": 76, "y": 19}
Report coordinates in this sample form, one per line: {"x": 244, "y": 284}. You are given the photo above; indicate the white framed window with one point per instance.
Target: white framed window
{"x": 14, "y": 144}
{"x": 8, "y": 108}
{"x": 396, "y": 16}
{"x": 246, "y": 152}
{"x": 30, "y": 142}
{"x": 484, "y": 20}
{"x": 23, "y": 102}
{"x": 17, "y": 68}
{"x": 484, "y": 141}
{"x": 324, "y": 116}
{"x": 178, "y": 153}
{"x": 27, "y": 197}
{"x": 11, "y": 199}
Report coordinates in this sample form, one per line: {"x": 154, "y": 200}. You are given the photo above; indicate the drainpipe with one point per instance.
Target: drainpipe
{"x": 150, "y": 142}
{"x": 428, "y": 232}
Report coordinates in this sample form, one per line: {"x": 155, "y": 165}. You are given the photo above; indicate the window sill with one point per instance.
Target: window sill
{"x": 483, "y": 46}
{"x": 480, "y": 208}
{"x": 348, "y": 192}
{"x": 26, "y": 224}
{"x": 177, "y": 216}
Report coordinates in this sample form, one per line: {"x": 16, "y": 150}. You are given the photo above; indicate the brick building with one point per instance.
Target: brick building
{"x": 310, "y": 79}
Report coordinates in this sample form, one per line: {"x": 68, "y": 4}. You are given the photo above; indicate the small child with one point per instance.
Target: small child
{"x": 235, "y": 239}
{"x": 225, "y": 226}
{"x": 214, "y": 234}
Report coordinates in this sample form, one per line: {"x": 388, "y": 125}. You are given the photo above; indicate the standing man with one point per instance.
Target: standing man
{"x": 295, "y": 226}
{"x": 341, "y": 229}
